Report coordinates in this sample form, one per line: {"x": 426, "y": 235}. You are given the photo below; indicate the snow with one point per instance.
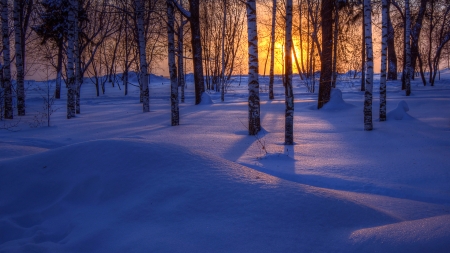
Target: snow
{"x": 206, "y": 99}
{"x": 401, "y": 112}
{"x": 115, "y": 179}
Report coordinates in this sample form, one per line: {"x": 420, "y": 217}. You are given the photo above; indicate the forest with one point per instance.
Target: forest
{"x": 100, "y": 39}
{"x": 225, "y": 126}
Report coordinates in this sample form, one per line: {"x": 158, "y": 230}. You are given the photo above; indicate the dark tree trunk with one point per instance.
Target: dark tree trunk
{"x": 19, "y": 52}
{"x": 326, "y": 70}
{"x": 404, "y": 59}
{"x": 6, "y": 78}
{"x": 392, "y": 56}
{"x": 415, "y": 34}
{"x": 363, "y": 57}
{"x": 272, "y": 49}
{"x": 422, "y": 74}
{"x": 194, "y": 20}
{"x": 125, "y": 81}
{"x": 59, "y": 71}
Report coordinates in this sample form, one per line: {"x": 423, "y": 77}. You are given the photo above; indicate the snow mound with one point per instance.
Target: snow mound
{"x": 423, "y": 235}
{"x": 336, "y": 102}
{"x": 400, "y": 112}
{"x": 206, "y": 99}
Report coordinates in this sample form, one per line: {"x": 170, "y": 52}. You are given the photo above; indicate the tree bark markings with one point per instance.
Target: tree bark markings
{"x": 254, "y": 124}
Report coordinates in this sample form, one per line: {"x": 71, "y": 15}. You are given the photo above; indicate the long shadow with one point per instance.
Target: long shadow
{"x": 397, "y": 161}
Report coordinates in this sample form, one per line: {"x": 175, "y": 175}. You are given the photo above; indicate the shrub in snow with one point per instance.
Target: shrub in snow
{"x": 206, "y": 99}
{"x": 336, "y": 102}
{"x": 400, "y": 112}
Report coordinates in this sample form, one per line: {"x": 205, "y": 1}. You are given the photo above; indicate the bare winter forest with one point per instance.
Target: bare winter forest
{"x": 225, "y": 126}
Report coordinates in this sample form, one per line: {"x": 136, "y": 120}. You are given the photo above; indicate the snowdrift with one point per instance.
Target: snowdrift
{"x": 336, "y": 102}
{"x": 400, "y": 112}
{"x": 132, "y": 196}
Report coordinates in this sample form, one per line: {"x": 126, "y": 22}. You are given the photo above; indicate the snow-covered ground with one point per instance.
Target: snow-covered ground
{"x": 115, "y": 179}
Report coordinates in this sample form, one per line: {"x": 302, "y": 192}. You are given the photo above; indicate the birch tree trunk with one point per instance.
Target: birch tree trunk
{"x": 181, "y": 81}
{"x": 326, "y": 70}
{"x": 7, "y": 87}
{"x": 143, "y": 76}
{"x": 272, "y": 50}
{"x": 384, "y": 32}
{"x": 175, "y": 115}
{"x": 254, "y": 123}
{"x": 335, "y": 43}
{"x": 407, "y": 49}
{"x": 77, "y": 59}
{"x": 222, "y": 76}
{"x": 19, "y": 59}
{"x": 368, "y": 124}
{"x": 289, "y": 100}
{"x": 363, "y": 54}
{"x": 70, "y": 57}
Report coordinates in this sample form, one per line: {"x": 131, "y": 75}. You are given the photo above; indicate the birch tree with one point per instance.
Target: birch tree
{"x": 7, "y": 87}
{"x": 175, "y": 115}
{"x": 289, "y": 100}
{"x": 335, "y": 42}
{"x": 77, "y": 56}
{"x": 143, "y": 75}
{"x": 368, "y": 125}
{"x": 254, "y": 123}
{"x": 180, "y": 37}
{"x": 384, "y": 32}
{"x": 18, "y": 42}
{"x": 70, "y": 72}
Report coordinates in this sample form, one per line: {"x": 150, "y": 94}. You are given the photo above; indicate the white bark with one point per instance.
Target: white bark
{"x": 254, "y": 124}
{"x": 175, "y": 115}
{"x": 181, "y": 81}
{"x": 289, "y": 101}
{"x": 70, "y": 57}
{"x": 143, "y": 75}
{"x": 19, "y": 59}
{"x": 8, "y": 107}
{"x": 384, "y": 18}
{"x": 368, "y": 124}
